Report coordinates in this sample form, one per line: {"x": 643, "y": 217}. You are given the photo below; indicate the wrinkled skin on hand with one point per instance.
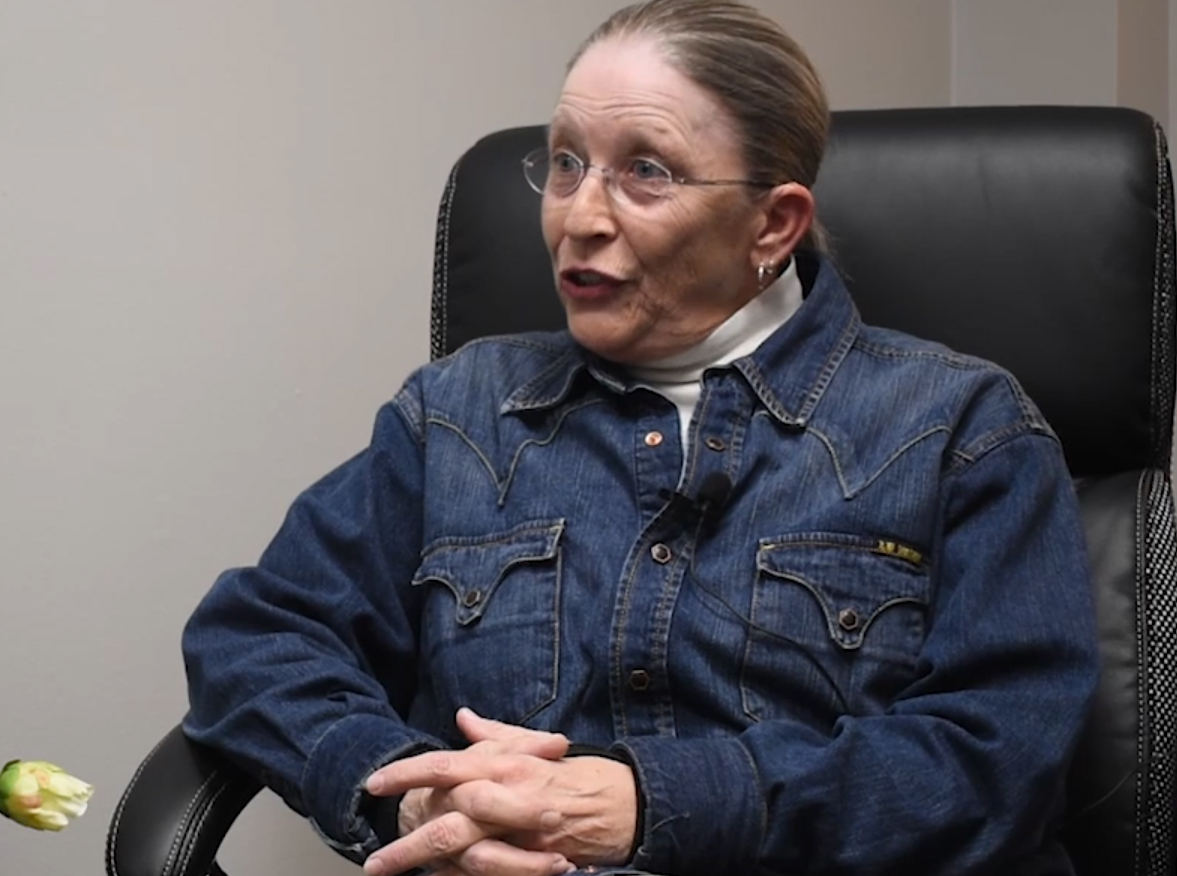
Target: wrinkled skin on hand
{"x": 511, "y": 804}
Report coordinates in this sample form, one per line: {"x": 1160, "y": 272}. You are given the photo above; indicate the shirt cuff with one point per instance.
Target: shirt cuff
{"x": 703, "y": 810}
{"x": 340, "y": 763}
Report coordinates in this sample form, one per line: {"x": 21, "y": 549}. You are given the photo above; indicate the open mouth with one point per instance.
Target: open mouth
{"x": 588, "y": 279}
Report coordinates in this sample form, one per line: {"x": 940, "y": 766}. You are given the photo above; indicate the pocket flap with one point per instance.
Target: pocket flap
{"x": 853, "y": 578}
{"x": 473, "y": 566}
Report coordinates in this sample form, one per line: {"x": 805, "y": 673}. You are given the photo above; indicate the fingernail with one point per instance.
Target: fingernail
{"x": 373, "y": 866}
{"x": 375, "y": 784}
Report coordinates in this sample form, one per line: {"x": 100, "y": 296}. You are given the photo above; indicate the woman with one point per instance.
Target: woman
{"x": 807, "y": 596}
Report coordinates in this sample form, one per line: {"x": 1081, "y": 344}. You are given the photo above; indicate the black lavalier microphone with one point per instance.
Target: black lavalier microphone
{"x": 712, "y": 495}
{"x": 705, "y": 506}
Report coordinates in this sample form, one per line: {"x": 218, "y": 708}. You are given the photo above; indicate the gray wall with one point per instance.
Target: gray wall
{"x": 217, "y": 226}
{"x": 1062, "y": 51}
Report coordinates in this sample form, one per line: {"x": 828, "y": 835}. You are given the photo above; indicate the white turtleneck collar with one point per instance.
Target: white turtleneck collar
{"x": 678, "y": 377}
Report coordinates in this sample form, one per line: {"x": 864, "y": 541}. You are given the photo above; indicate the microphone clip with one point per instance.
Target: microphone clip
{"x": 706, "y": 506}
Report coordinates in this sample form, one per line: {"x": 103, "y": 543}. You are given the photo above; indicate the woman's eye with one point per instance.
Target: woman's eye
{"x": 565, "y": 162}
{"x": 646, "y": 170}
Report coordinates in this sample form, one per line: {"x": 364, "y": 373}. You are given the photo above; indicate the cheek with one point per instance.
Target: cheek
{"x": 660, "y": 242}
{"x": 717, "y": 244}
{"x": 675, "y": 250}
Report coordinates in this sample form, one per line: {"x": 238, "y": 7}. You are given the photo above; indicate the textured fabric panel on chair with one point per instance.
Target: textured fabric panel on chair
{"x": 1158, "y": 582}
{"x": 1120, "y": 795}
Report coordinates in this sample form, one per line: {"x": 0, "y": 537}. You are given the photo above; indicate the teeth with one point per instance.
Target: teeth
{"x": 587, "y": 278}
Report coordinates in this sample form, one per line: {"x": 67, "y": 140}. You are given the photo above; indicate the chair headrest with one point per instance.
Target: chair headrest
{"x": 1038, "y": 237}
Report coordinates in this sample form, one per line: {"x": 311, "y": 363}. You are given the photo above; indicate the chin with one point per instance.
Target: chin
{"x": 604, "y": 340}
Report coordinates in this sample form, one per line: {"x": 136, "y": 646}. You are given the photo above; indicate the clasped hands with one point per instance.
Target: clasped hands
{"x": 510, "y": 804}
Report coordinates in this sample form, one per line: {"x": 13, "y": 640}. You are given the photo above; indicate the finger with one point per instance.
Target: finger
{"x": 492, "y": 857}
{"x": 515, "y": 739}
{"x": 560, "y": 866}
{"x": 434, "y": 769}
{"x": 547, "y": 746}
{"x": 417, "y": 806}
{"x": 502, "y": 808}
{"x": 448, "y": 769}
{"x": 473, "y": 724}
{"x": 444, "y": 837}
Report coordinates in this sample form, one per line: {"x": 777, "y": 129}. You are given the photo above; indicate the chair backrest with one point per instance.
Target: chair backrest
{"x": 1038, "y": 237}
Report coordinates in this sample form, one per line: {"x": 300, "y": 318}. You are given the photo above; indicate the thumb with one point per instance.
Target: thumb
{"x": 511, "y": 738}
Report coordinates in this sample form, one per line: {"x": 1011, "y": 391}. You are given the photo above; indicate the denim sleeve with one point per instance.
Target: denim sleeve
{"x": 300, "y": 668}
{"x": 964, "y": 771}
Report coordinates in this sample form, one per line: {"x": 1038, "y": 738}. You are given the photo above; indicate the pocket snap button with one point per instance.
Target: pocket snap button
{"x": 848, "y": 619}
{"x": 661, "y": 553}
{"x": 472, "y": 598}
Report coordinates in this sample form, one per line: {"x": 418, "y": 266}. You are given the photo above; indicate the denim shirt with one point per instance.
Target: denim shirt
{"x": 871, "y": 654}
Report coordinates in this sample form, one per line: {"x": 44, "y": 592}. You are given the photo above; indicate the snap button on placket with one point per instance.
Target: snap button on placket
{"x": 653, "y": 439}
{"x": 716, "y": 444}
{"x": 639, "y": 680}
{"x": 661, "y": 554}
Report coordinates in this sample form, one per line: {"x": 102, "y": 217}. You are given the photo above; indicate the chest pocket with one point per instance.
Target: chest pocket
{"x": 837, "y": 625}
{"x": 490, "y": 630}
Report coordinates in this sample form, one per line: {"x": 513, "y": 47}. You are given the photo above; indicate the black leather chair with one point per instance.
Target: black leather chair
{"x": 1041, "y": 238}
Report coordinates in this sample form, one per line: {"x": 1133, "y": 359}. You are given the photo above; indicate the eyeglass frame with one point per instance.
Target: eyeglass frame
{"x": 612, "y": 184}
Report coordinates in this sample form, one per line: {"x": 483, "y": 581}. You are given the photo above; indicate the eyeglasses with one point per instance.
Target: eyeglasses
{"x": 642, "y": 180}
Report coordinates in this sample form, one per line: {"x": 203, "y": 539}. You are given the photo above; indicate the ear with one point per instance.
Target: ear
{"x": 785, "y": 217}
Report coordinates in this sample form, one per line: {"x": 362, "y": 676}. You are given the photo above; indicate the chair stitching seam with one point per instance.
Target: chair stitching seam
{"x": 187, "y": 813}
{"x": 204, "y": 816}
{"x": 111, "y": 862}
{"x": 445, "y": 280}
{"x": 441, "y": 305}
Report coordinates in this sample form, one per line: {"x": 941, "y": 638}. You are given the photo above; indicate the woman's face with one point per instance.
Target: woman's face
{"x": 642, "y": 281}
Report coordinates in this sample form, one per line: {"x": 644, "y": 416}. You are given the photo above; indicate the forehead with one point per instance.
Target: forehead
{"x": 629, "y": 85}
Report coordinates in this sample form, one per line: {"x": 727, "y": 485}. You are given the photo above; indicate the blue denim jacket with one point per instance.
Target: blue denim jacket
{"x": 873, "y": 655}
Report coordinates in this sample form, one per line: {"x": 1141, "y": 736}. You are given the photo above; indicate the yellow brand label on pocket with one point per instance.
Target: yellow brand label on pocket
{"x": 902, "y": 551}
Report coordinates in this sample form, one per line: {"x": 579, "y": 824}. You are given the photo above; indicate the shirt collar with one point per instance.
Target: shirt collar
{"x": 789, "y": 371}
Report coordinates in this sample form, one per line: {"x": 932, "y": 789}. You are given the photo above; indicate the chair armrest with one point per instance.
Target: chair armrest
{"x": 176, "y": 811}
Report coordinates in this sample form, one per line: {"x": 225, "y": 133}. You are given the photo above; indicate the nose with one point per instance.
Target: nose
{"x": 590, "y": 210}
